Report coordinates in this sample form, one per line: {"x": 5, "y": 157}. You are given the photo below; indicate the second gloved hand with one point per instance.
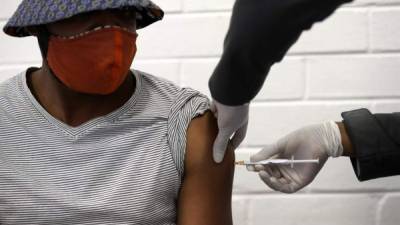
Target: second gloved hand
{"x": 232, "y": 120}
{"x": 311, "y": 142}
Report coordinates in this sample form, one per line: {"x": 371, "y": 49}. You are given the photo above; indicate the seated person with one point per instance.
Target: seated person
{"x": 86, "y": 140}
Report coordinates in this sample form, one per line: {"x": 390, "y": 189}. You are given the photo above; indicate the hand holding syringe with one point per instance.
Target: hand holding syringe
{"x": 290, "y": 162}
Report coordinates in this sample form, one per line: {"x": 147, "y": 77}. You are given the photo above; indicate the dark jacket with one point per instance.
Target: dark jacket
{"x": 260, "y": 34}
{"x": 376, "y": 141}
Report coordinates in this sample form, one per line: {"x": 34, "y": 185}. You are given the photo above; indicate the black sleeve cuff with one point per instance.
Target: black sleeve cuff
{"x": 376, "y": 155}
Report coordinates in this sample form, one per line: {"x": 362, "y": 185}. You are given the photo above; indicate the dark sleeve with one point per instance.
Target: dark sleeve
{"x": 260, "y": 34}
{"x": 376, "y": 141}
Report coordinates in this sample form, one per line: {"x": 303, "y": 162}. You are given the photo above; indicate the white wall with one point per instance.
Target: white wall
{"x": 350, "y": 61}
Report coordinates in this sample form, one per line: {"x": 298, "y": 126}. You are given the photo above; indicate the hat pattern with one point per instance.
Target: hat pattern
{"x": 37, "y": 12}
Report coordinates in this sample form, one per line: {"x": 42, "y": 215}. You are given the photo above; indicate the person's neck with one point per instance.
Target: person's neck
{"x": 71, "y": 107}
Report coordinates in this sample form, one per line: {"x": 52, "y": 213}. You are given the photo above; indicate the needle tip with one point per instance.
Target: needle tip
{"x": 240, "y": 163}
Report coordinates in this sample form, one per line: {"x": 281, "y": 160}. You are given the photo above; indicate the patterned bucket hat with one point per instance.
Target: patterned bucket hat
{"x": 39, "y": 12}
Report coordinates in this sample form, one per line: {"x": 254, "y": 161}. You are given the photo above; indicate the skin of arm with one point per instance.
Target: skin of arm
{"x": 348, "y": 149}
{"x": 205, "y": 196}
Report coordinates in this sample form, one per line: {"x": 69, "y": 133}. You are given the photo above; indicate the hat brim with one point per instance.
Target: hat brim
{"x": 39, "y": 12}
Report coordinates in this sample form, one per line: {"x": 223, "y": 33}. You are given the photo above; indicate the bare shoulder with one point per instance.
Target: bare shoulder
{"x": 205, "y": 197}
{"x": 201, "y": 134}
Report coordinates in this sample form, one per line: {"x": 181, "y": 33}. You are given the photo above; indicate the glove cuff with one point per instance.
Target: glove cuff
{"x": 333, "y": 139}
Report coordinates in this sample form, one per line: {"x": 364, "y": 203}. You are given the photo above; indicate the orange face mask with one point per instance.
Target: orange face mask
{"x": 94, "y": 63}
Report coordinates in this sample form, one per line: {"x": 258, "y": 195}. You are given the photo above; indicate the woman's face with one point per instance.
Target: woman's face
{"x": 88, "y": 21}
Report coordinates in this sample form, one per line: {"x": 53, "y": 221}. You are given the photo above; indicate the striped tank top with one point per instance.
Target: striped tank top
{"x": 122, "y": 168}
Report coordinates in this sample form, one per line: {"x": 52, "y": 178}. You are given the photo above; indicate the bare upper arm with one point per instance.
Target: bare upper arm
{"x": 205, "y": 197}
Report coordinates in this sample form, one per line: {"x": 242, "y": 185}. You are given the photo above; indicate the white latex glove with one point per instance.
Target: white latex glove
{"x": 232, "y": 120}
{"x": 311, "y": 142}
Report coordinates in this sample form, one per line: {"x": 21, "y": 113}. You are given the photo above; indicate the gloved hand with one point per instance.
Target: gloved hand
{"x": 232, "y": 120}
{"x": 311, "y": 142}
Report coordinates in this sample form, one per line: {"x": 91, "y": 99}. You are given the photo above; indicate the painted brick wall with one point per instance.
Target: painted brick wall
{"x": 352, "y": 60}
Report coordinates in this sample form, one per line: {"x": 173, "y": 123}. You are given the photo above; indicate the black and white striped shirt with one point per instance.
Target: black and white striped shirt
{"x": 122, "y": 168}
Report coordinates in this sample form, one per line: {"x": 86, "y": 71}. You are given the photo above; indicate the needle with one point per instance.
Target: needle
{"x": 278, "y": 161}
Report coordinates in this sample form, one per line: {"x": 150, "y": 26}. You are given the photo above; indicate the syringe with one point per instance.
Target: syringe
{"x": 290, "y": 162}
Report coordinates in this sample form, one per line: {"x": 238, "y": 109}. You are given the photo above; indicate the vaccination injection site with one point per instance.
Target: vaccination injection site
{"x": 199, "y": 112}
